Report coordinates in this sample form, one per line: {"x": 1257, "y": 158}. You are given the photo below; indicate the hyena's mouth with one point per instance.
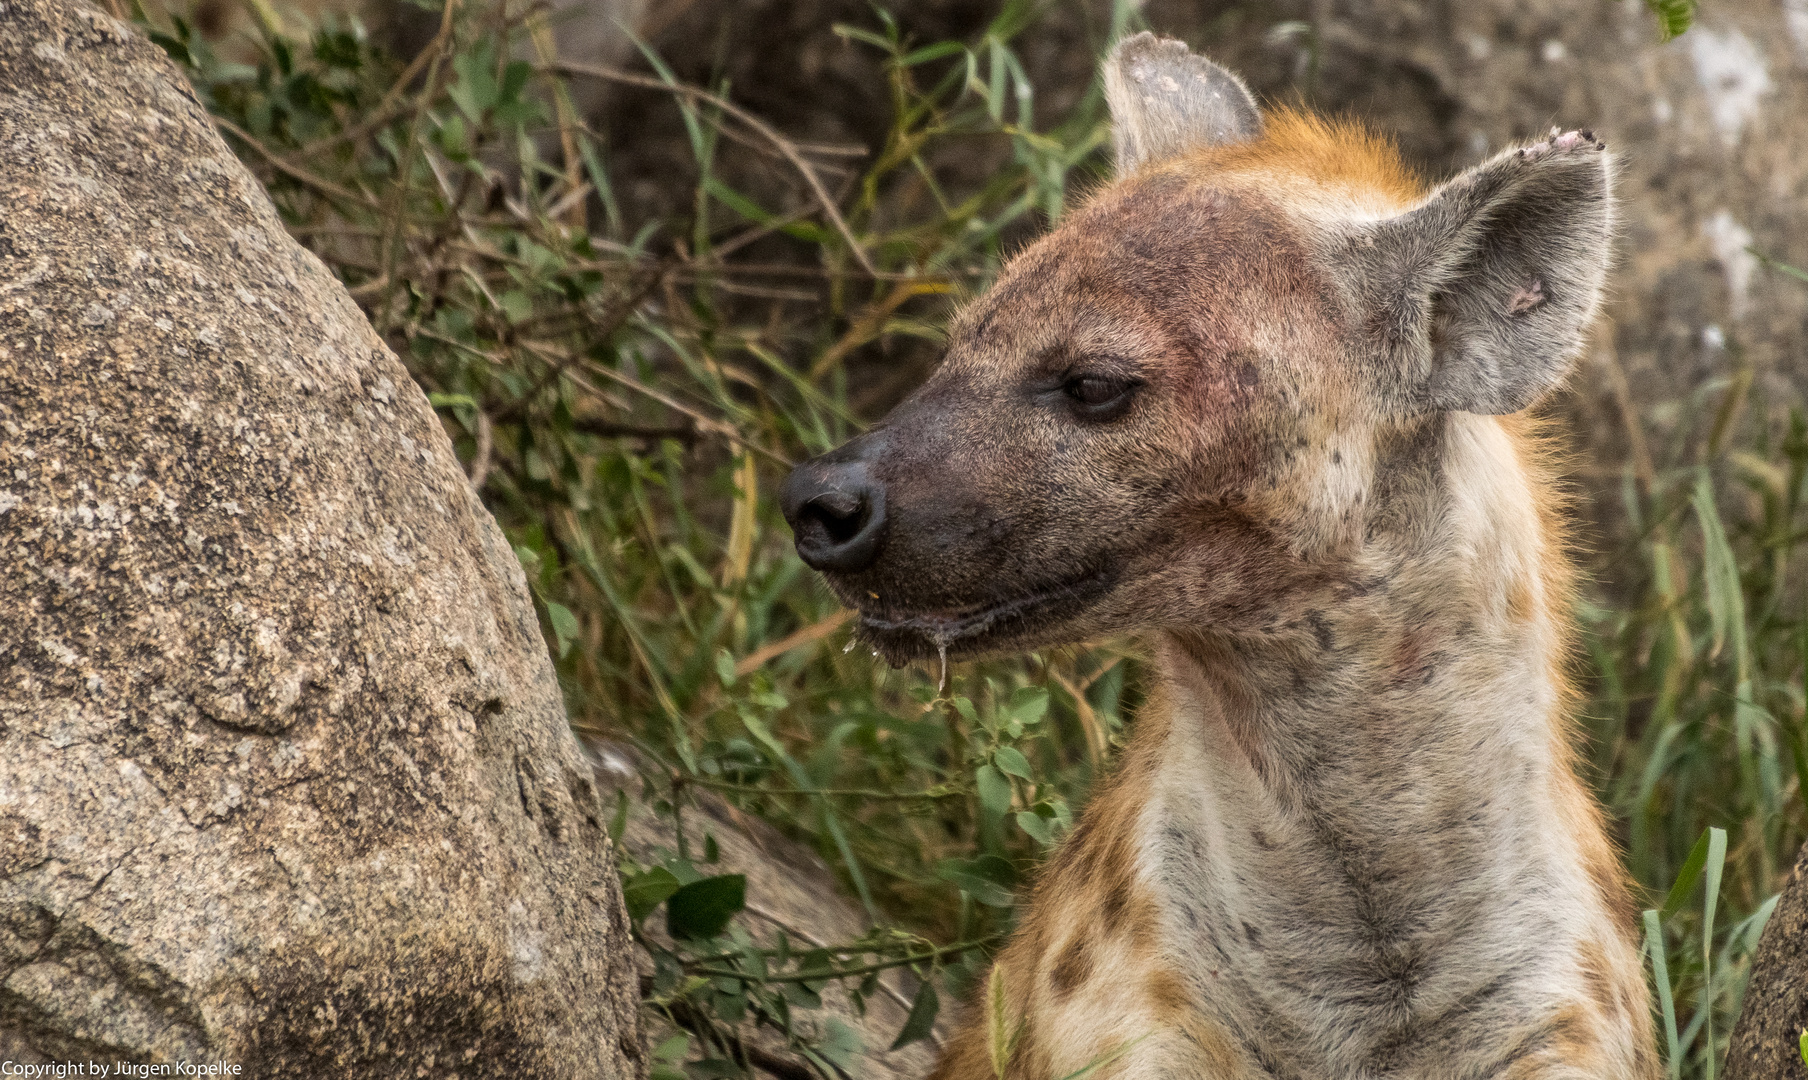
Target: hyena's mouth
{"x": 902, "y": 636}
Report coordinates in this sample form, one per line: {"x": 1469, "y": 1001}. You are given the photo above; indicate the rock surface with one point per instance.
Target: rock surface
{"x": 285, "y": 776}
{"x": 1766, "y": 1042}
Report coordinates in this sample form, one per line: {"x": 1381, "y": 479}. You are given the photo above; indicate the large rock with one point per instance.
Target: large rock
{"x": 285, "y": 777}
{"x": 1766, "y": 1042}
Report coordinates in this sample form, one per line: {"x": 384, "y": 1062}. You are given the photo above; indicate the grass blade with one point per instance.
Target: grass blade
{"x": 1666, "y": 1000}
{"x": 999, "y": 1040}
{"x": 1716, "y": 862}
{"x": 1720, "y": 574}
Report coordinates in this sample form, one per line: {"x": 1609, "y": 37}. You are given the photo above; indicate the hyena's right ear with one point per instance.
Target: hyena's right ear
{"x": 1165, "y": 101}
{"x": 1479, "y": 298}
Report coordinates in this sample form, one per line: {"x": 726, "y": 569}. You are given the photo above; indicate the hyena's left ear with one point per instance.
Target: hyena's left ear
{"x": 1165, "y": 101}
{"x": 1479, "y": 298}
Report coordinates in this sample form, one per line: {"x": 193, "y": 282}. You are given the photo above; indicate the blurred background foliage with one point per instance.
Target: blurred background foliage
{"x": 628, "y": 379}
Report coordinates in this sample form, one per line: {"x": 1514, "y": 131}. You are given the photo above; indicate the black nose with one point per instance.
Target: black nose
{"x": 837, "y": 512}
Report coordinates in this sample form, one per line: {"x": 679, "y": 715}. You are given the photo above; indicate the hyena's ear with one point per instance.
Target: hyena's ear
{"x": 1165, "y": 101}
{"x": 1480, "y": 297}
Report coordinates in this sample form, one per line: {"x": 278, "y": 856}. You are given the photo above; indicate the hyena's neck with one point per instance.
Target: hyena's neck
{"x": 1364, "y": 826}
{"x": 1426, "y": 677}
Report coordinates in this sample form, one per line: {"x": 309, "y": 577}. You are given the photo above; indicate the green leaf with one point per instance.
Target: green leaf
{"x": 842, "y": 1045}
{"x": 857, "y": 34}
{"x": 921, "y": 1021}
{"x": 646, "y": 891}
{"x": 1011, "y": 760}
{"x": 994, "y": 789}
{"x": 452, "y": 137}
{"x": 930, "y": 52}
{"x": 1674, "y": 17}
{"x": 514, "y": 77}
{"x": 1720, "y": 574}
{"x": 517, "y": 305}
{"x": 736, "y": 201}
{"x": 475, "y": 91}
{"x": 674, "y": 1049}
{"x": 1758, "y": 920}
{"x": 619, "y": 823}
{"x": 1030, "y": 704}
{"x": 753, "y": 960}
{"x": 1036, "y": 826}
{"x": 725, "y": 667}
{"x": 451, "y": 401}
{"x": 176, "y": 48}
{"x": 1686, "y": 878}
{"x": 702, "y": 909}
{"x": 564, "y": 626}
{"x": 1798, "y": 750}
{"x": 1804, "y": 1046}
{"x": 986, "y": 879}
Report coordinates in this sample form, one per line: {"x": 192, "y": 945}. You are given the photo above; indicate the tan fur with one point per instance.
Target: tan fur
{"x": 1315, "y": 158}
{"x": 1088, "y": 971}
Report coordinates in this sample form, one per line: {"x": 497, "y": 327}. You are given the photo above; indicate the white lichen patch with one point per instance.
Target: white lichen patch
{"x": 527, "y": 943}
{"x": 1729, "y": 241}
{"x": 1732, "y": 75}
{"x": 1795, "y": 18}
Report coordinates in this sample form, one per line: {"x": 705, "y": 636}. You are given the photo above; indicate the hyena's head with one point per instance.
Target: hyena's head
{"x": 1178, "y": 407}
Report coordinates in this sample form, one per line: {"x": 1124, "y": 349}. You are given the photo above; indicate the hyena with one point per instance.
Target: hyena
{"x": 1262, "y": 398}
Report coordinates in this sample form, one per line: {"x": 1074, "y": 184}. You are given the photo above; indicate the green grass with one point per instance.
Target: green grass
{"x": 628, "y": 391}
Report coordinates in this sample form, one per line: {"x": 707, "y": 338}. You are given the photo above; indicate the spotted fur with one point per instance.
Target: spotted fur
{"x": 1347, "y": 839}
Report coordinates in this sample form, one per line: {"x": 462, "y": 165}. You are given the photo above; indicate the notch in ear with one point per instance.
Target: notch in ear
{"x": 1165, "y": 100}
{"x": 1482, "y": 294}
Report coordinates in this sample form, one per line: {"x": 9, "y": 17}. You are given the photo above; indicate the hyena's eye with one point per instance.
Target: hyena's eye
{"x": 1100, "y": 397}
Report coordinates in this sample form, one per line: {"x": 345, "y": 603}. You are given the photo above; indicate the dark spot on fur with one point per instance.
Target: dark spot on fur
{"x": 1320, "y": 629}
{"x": 1072, "y": 968}
{"x": 1117, "y": 900}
